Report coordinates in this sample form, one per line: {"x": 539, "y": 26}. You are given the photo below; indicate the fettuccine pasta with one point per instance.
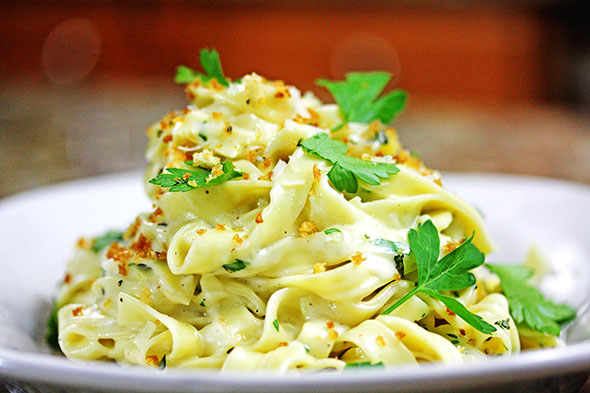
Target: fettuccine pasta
{"x": 276, "y": 268}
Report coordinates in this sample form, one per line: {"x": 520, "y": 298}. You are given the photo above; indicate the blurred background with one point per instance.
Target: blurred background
{"x": 500, "y": 86}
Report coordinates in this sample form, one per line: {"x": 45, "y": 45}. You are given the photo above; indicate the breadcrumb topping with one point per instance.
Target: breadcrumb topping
{"x": 358, "y": 258}
{"x": 307, "y": 228}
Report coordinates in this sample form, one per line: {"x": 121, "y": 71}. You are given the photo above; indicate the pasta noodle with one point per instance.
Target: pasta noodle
{"x": 276, "y": 269}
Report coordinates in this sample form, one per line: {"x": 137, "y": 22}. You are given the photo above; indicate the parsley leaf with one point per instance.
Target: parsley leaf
{"x": 106, "y": 240}
{"x": 395, "y": 249}
{"x": 527, "y": 303}
{"x": 449, "y": 273}
{"x": 347, "y": 170}
{"x": 332, "y": 230}
{"x": 210, "y": 63}
{"x": 235, "y": 266}
{"x": 52, "y": 327}
{"x": 357, "y": 97}
{"x": 275, "y": 323}
{"x": 187, "y": 180}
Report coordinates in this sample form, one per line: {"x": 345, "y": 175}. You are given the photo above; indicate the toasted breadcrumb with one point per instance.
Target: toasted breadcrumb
{"x": 205, "y": 159}
{"x": 156, "y": 213}
{"x": 121, "y": 255}
{"x": 132, "y": 230}
{"x": 358, "y": 258}
{"x": 146, "y": 296}
{"x": 319, "y": 268}
{"x": 84, "y": 243}
{"x": 307, "y": 228}
{"x": 317, "y": 173}
{"x": 142, "y": 247}
{"x": 152, "y": 360}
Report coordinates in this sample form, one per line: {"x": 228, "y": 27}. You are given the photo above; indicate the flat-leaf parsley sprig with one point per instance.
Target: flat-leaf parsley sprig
{"x": 449, "y": 273}
{"x": 186, "y": 180}
{"x": 346, "y": 169}
{"x": 357, "y": 97}
{"x": 527, "y": 304}
{"x": 210, "y": 63}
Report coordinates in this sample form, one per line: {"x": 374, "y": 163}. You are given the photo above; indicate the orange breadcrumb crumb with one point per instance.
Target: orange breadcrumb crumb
{"x": 358, "y": 258}
{"x": 146, "y": 296}
{"x": 142, "y": 247}
{"x": 132, "y": 230}
{"x": 155, "y": 213}
{"x": 121, "y": 255}
{"x": 259, "y": 219}
{"x": 84, "y": 243}
{"x": 152, "y": 360}
{"x": 317, "y": 173}
{"x": 77, "y": 311}
{"x": 307, "y": 228}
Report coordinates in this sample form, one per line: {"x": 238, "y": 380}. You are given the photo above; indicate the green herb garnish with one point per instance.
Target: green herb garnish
{"x": 142, "y": 266}
{"x": 393, "y": 248}
{"x": 100, "y": 242}
{"x": 449, "y": 273}
{"x": 527, "y": 303}
{"x": 188, "y": 180}
{"x": 357, "y": 97}
{"x": 210, "y": 63}
{"x": 364, "y": 364}
{"x": 347, "y": 170}
{"x": 51, "y": 334}
{"x": 275, "y": 323}
{"x": 332, "y": 230}
{"x": 235, "y": 266}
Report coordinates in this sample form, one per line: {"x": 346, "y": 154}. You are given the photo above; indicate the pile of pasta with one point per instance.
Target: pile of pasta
{"x": 275, "y": 269}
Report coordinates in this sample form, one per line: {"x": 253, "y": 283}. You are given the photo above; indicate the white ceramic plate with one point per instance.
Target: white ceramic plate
{"x": 40, "y": 227}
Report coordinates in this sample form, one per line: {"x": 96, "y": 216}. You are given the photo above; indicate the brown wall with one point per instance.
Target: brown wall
{"x": 489, "y": 54}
